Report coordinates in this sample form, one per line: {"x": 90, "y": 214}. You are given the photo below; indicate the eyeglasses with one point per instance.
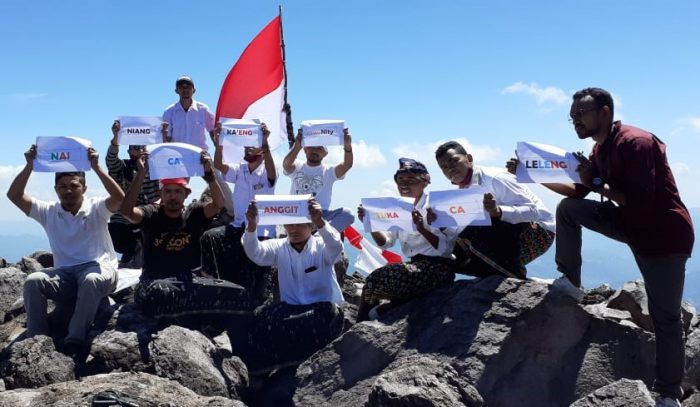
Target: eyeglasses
{"x": 580, "y": 112}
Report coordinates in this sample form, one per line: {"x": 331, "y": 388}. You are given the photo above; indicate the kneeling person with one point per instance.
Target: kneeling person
{"x": 308, "y": 317}
{"x": 171, "y": 236}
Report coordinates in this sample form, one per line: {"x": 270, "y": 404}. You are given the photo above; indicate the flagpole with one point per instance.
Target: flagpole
{"x": 287, "y": 107}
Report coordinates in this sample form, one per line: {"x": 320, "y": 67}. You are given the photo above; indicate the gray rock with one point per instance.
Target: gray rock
{"x": 35, "y": 363}
{"x": 235, "y": 373}
{"x": 3, "y": 262}
{"x": 29, "y": 265}
{"x": 119, "y": 351}
{"x": 597, "y": 295}
{"x": 189, "y": 358}
{"x": 692, "y": 360}
{"x": 692, "y": 401}
{"x": 352, "y": 288}
{"x": 140, "y": 389}
{"x": 11, "y": 287}
{"x": 43, "y": 257}
{"x": 622, "y": 393}
{"x": 510, "y": 339}
{"x": 423, "y": 382}
{"x": 632, "y": 297}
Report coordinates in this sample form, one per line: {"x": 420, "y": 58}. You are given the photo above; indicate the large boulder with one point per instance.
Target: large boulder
{"x": 192, "y": 359}
{"x": 622, "y": 393}
{"x": 117, "y": 351}
{"x": 138, "y": 389}
{"x": 11, "y": 287}
{"x": 516, "y": 342}
{"x": 35, "y": 363}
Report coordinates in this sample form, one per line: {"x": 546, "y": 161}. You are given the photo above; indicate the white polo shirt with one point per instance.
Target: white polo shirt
{"x": 246, "y": 185}
{"x": 317, "y": 181}
{"x": 189, "y": 126}
{"x": 304, "y": 277}
{"x": 76, "y": 239}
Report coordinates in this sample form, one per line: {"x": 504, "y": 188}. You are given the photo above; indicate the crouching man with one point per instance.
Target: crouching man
{"x": 85, "y": 265}
{"x": 308, "y": 318}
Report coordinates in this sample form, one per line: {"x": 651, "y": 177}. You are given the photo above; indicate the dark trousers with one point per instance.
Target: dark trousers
{"x": 223, "y": 257}
{"x": 664, "y": 277}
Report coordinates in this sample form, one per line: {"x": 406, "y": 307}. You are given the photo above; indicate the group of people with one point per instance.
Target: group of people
{"x": 190, "y": 268}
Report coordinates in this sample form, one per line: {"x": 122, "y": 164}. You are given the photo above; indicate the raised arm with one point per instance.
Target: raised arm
{"x": 345, "y": 166}
{"x": 16, "y": 193}
{"x": 212, "y": 208}
{"x": 129, "y": 209}
{"x": 261, "y": 253}
{"x": 267, "y": 157}
{"x": 330, "y": 236}
{"x": 115, "y": 166}
{"x": 218, "y": 150}
{"x": 116, "y": 195}
{"x": 288, "y": 162}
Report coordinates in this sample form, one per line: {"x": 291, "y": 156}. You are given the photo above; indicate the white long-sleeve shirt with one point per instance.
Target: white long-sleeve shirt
{"x": 518, "y": 204}
{"x": 304, "y": 277}
{"x": 413, "y": 243}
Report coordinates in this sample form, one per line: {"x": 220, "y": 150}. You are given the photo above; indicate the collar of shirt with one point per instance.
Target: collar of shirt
{"x": 475, "y": 179}
{"x": 192, "y": 108}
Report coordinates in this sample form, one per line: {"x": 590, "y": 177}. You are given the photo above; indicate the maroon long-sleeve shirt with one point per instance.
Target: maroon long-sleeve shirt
{"x": 654, "y": 218}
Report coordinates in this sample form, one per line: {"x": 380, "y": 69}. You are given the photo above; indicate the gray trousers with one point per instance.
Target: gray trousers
{"x": 664, "y": 276}
{"x": 85, "y": 284}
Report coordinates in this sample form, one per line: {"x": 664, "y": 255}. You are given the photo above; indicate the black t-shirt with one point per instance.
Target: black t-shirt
{"x": 171, "y": 245}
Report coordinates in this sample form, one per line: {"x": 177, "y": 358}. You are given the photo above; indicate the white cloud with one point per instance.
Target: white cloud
{"x": 8, "y": 172}
{"x": 21, "y": 98}
{"x": 549, "y": 94}
{"x": 364, "y": 155}
{"x": 426, "y": 152}
{"x": 680, "y": 169}
{"x": 694, "y": 123}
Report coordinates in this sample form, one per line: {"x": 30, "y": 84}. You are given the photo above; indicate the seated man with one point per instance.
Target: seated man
{"x": 85, "y": 266}
{"x": 522, "y": 228}
{"x": 429, "y": 249}
{"x": 126, "y": 237}
{"x": 222, "y": 253}
{"x": 171, "y": 250}
{"x": 308, "y": 317}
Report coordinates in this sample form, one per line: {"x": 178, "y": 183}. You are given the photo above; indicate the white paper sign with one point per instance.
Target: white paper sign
{"x": 391, "y": 214}
{"x": 240, "y": 132}
{"x": 282, "y": 209}
{"x": 140, "y": 130}
{"x": 61, "y": 154}
{"x": 174, "y": 160}
{"x": 540, "y": 163}
{"x": 459, "y": 207}
{"x": 322, "y": 132}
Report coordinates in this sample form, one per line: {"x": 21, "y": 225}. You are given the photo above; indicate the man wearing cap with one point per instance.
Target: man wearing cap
{"x": 522, "y": 228}
{"x": 222, "y": 253}
{"x": 315, "y": 178}
{"x": 171, "y": 251}
{"x": 189, "y": 119}
{"x": 85, "y": 266}
{"x": 126, "y": 237}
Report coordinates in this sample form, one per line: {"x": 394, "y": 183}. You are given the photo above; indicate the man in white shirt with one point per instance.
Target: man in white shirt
{"x": 308, "y": 317}
{"x": 522, "y": 227}
{"x": 85, "y": 265}
{"x": 315, "y": 178}
{"x": 189, "y": 119}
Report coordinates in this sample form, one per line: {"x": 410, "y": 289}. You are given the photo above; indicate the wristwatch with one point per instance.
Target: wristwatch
{"x": 597, "y": 183}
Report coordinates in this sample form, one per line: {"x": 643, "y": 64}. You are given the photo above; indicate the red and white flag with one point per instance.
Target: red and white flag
{"x": 371, "y": 257}
{"x": 255, "y": 86}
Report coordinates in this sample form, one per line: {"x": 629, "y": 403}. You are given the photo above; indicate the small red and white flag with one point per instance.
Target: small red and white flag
{"x": 371, "y": 257}
{"x": 255, "y": 86}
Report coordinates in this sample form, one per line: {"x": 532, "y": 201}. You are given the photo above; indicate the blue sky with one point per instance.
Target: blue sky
{"x": 404, "y": 75}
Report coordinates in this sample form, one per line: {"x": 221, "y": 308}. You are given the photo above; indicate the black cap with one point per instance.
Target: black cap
{"x": 184, "y": 79}
{"x": 412, "y": 166}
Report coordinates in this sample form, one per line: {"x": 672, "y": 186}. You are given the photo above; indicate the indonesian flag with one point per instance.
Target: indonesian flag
{"x": 254, "y": 88}
{"x": 371, "y": 257}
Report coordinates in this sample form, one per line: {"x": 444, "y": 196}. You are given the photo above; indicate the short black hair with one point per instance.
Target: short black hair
{"x": 600, "y": 96}
{"x": 442, "y": 149}
{"x": 79, "y": 174}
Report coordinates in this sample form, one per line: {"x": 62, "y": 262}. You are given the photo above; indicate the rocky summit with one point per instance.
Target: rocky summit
{"x": 483, "y": 342}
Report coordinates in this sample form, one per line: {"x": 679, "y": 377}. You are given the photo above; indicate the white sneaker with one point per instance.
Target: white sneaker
{"x": 667, "y": 402}
{"x": 564, "y": 286}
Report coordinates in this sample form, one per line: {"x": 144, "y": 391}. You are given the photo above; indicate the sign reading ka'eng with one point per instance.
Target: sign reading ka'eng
{"x": 61, "y": 154}
{"x": 322, "y": 133}
{"x": 174, "y": 160}
{"x": 538, "y": 163}
{"x": 459, "y": 207}
{"x": 390, "y": 214}
{"x": 283, "y": 209}
{"x": 136, "y": 130}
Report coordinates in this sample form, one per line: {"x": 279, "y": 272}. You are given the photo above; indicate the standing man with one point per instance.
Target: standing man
{"x": 189, "y": 119}
{"x": 126, "y": 237}
{"x": 628, "y": 166}
{"x": 171, "y": 251}
{"x": 315, "y": 178}
{"x": 85, "y": 266}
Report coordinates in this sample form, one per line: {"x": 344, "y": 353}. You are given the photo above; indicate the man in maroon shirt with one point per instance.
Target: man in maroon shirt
{"x": 628, "y": 166}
